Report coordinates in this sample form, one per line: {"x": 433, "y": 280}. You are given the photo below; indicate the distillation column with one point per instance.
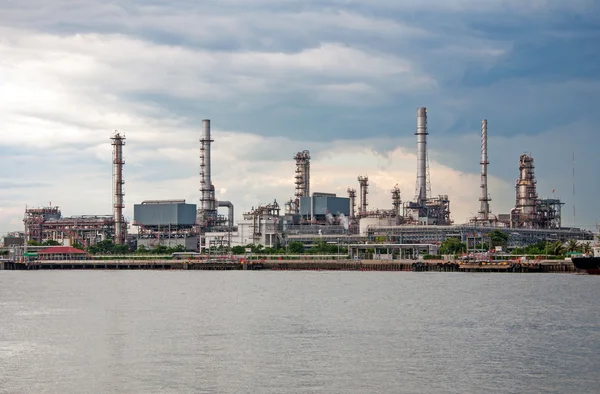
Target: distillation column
{"x": 364, "y": 190}
{"x": 484, "y": 210}
{"x": 208, "y": 210}
{"x": 118, "y": 141}
{"x": 525, "y": 212}
{"x": 352, "y": 197}
{"x": 396, "y": 201}
{"x": 421, "y": 192}
{"x": 302, "y": 176}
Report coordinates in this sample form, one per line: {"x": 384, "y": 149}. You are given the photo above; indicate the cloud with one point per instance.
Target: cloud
{"x": 341, "y": 78}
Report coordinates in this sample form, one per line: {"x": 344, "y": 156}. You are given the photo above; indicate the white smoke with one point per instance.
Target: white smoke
{"x": 329, "y": 217}
{"x": 343, "y": 221}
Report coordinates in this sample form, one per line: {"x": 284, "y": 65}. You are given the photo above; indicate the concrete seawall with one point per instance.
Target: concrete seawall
{"x": 549, "y": 266}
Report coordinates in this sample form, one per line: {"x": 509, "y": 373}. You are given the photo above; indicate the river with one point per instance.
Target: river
{"x": 298, "y": 332}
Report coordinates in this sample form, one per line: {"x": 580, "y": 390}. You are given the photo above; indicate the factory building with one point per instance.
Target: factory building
{"x": 47, "y": 223}
{"x": 262, "y": 225}
{"x": 170, "y": 223}
{"x": 324, "y": 207}
{"x": 426, "y": 219}
{"x": 14, "y": 238}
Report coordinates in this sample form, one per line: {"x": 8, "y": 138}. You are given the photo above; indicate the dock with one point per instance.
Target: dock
{"x": 544, "y": 266}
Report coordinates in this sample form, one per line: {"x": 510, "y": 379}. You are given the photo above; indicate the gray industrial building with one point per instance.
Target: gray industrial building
{"x": 166, "y": 222}
{"x": 320, "y": 204}
{"x": 168, "y": 213}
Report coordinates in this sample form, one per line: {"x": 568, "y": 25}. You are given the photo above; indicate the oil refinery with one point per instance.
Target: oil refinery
{"x": 420, "y": 223}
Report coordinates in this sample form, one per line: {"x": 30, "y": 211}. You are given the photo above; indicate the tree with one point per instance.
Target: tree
{"x": 120, "y": 249}
{"x": 572, "y": 245}
{"x": 50, "y": 242}
{"x": 160, "y": 249}
{"x": 77, "y": 245}
{"x": 296, "y": 247}
{"x": 33, "y": 243}
{"x": 556, "y": 248}
{"x": 238, "y": 250}
{"x": 498, "y": 238}
{"x": 452, "y": 246}
{"x": 321, "y": 247}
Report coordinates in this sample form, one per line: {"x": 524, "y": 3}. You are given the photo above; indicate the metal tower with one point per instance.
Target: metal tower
{"x": 118, "y": 141}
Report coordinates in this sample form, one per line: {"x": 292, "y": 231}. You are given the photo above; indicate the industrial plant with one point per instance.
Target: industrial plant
{"x": 415, "y": 226}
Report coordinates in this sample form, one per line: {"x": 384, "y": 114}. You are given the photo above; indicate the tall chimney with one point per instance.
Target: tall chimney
{"x": 207, "y": 190}
{"x": 421, "y": 192}
{"x": 118, "y": 142}
{"x": 484, "y": 211}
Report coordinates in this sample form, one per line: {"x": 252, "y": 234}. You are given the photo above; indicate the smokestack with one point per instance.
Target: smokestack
{"x": 484, "y": 211}
{"x": 118, "y": 142}
{"x": 421, "y": 192}
{"x": 207, "y": 190}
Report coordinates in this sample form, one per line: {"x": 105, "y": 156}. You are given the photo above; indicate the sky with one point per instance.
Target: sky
{"x": 340, "y": 78}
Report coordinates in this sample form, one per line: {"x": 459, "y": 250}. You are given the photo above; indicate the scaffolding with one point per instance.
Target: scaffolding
{"x": 549, "y": 213}
{"x": 432, "y": 211}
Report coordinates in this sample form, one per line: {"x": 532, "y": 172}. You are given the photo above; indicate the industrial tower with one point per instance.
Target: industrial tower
{"x": 484, "y": 210}
{"x": 118, "y": 141}
{"x": 302, "y": 177}
{"x": 208, "y": 211}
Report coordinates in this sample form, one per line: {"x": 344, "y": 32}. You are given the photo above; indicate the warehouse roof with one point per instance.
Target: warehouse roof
{"x": 61, "y": 250}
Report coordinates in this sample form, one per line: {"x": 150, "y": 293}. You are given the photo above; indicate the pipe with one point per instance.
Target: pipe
{"x": 148, "y": 202}
{"x": 421, "y": 154}
{"x": 513, "y": 211}
{"x": 484, "y": 210}
{"x": 229, "y": 205}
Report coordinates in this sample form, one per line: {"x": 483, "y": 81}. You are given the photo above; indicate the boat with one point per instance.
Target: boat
{"x": 591, "y": 265}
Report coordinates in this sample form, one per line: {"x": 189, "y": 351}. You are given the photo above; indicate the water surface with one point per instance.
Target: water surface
{"x": 298, "y": 332}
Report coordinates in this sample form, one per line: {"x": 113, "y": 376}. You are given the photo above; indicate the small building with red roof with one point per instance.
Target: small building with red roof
{"x": 62, "y": 253}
